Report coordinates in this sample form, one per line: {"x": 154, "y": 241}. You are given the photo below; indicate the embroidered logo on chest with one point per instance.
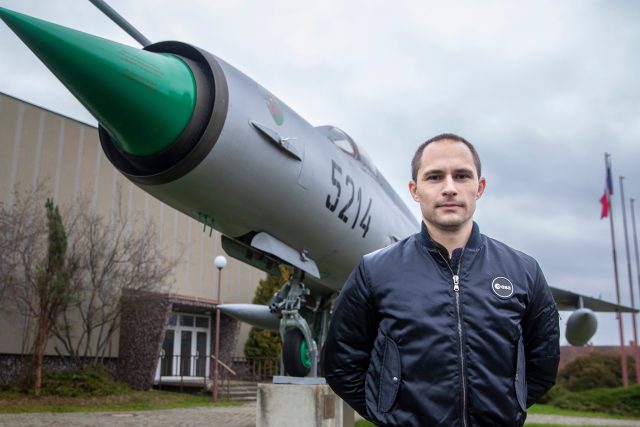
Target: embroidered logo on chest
{"x": 502, "y": 287}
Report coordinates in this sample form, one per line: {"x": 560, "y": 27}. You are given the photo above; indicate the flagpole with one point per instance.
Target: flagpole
{"x": 633, "y": 304}
{"x": 635, "y": 245}
{"x": 623, "y": 353}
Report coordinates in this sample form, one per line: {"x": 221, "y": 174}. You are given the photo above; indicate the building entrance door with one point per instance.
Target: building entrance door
{"x": 185, "y": 349}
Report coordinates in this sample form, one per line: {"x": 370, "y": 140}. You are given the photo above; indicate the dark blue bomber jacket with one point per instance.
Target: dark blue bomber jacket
{"x": 417, "y": 339}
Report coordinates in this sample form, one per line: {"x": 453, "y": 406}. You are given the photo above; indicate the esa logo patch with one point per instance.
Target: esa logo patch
{"x": 502, "y": 287}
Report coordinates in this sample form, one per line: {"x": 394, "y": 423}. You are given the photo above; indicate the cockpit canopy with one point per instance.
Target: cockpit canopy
{"x": 348, "y": 145}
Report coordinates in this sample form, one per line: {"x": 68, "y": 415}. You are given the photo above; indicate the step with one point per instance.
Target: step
{"x": 239, "y": 391}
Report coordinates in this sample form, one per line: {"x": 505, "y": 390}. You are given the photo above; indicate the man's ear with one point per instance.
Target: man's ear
{"x": 482, "y": 184}
{"x": 413, "y": 189}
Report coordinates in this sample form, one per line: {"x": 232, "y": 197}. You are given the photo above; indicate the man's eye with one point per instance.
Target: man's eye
{"x": 463, "y": 176}
{"x": 432, "y": 177}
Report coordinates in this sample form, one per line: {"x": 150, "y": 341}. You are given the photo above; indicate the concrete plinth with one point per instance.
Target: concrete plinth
{"x": 295, "y": 405}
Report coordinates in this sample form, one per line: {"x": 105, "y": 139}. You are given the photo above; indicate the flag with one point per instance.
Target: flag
{"x": 609, "y": 180}
{"x": 605, "y": 200}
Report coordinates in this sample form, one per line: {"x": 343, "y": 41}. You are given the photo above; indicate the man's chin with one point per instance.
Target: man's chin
{"x": 449, "y": 224}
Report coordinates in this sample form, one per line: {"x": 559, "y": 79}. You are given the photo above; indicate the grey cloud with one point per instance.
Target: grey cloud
{"x": 542, "y": 88}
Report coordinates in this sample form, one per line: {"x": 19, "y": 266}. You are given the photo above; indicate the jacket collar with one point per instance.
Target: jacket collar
{"x": 475, "y": 240}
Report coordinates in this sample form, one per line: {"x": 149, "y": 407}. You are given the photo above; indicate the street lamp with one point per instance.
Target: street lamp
{"x": 220, "y": 262}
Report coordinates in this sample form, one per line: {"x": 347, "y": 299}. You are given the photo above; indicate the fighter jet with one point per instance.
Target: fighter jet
{"x": 204, "y": 138}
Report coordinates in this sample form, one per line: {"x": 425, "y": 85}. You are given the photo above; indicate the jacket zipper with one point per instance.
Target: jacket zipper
{"x": 456, "y": 289}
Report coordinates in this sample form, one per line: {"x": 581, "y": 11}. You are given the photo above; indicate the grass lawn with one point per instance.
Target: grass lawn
{"x": 363, "y": 423}
{"x": 368, "y": 424}
{"x": 562, "y": 425}
{"x": 552, "y": 410}
{"x": 11, "y": 402}
{"x": 544, "y": 410}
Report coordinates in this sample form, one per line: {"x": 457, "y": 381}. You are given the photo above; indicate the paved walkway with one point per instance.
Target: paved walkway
{"x": 236, "y": 416}
{"x": 579, "y": 421}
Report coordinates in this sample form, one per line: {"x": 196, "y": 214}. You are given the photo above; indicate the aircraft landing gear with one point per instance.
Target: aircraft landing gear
{"x": 299, "y": 349}
{"x": 295, "y": 353}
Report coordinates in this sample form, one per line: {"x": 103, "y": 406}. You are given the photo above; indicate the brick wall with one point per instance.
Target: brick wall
{"x": 142, "y": 324}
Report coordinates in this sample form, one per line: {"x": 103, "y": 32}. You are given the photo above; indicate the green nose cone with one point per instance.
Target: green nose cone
{"x": 143, "y": 99}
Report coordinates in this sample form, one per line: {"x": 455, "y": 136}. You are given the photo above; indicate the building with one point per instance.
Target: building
{"x": 167, "y": 333}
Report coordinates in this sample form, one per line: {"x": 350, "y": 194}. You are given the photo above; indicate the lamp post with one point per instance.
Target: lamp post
{"x": 220, "y": 263}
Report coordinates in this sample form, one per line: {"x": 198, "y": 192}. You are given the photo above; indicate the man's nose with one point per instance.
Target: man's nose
{"x": 449, "y": 186}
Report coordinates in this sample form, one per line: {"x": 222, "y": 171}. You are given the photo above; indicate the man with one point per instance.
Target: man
{"x": 447, "y": 327}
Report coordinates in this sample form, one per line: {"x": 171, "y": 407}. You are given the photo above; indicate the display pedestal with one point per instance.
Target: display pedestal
{"x": 292, "y": 404}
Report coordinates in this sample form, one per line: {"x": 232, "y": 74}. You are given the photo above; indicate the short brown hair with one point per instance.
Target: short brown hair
{"x": 415, "y": 162}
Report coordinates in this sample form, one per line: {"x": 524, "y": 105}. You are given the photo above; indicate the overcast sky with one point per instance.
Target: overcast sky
{"x": 541, "y": 88}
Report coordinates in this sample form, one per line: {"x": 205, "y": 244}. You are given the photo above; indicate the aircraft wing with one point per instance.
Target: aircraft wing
{"x": 567, "y": 300}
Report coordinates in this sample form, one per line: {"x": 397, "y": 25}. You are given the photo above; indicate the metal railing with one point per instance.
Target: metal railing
{"x": 256, "y": 369}
{"x": 224, "y": 375}
{"x": 191, "y": 371}
{"x": 193, "y": 367}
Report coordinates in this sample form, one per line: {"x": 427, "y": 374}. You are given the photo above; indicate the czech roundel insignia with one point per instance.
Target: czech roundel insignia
{"x": 502, "y": 287}
{"x": 273, "y": 105}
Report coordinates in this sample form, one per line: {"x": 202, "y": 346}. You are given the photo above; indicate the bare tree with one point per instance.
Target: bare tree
{"x": 22, "y": 226}
{"x": 109, "y": 255}
{"x": 37, "y": 271}
{"x": 114, "y": 255}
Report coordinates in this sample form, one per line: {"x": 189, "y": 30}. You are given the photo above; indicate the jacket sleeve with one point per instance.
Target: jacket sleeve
{"x": 541, "y": 335}
{"x": 350, "y": 341}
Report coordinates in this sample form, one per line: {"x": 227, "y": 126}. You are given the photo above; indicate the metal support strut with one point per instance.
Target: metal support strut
{"x": 288, "y": 302}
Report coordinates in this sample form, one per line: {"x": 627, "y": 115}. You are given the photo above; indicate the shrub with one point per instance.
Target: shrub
{"x": 262, "y": 343}
{"x": 587, "y": 372}
{"x": 618, "y": 401}
{"x": 91, "y": 381}
{"x": 595, "y": 370}
{"x": 555, "y": 392}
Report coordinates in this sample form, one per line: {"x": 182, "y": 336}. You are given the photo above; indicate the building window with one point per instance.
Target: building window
{"x": 186, "y": 320}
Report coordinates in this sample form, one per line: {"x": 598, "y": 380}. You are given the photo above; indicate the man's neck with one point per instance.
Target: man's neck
{"x": 451, "y": 239}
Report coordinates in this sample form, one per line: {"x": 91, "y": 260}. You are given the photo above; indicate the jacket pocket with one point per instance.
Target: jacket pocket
{"x": 521, "y": 376}
{"x": 390, "y": 376}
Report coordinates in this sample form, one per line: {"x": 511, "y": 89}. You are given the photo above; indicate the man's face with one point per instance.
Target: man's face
{"x": 447, "y": 185}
